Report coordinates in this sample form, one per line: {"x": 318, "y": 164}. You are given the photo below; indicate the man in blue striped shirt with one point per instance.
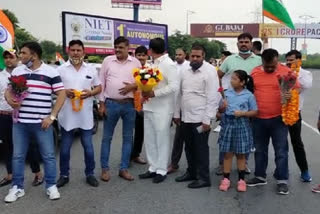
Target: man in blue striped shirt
{"x": 35, "y": 118}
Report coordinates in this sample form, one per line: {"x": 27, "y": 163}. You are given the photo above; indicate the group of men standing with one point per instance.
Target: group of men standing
{"x": 188, "y": 95}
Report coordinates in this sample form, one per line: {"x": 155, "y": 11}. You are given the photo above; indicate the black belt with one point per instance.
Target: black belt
{"x": 122, "y": 101}
{"x": 5, "y": 112}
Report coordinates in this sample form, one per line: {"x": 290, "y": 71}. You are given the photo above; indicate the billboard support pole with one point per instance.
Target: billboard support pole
{"x": 135, "y": 12}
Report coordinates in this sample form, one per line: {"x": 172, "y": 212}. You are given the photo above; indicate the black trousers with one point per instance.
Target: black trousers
{"x": 297, "y": 145}
{"x": 197, "y": 151}
{"x": 6, "y": 136}
{"x": 138, "y": 136}
{"x": 177, "y": 147}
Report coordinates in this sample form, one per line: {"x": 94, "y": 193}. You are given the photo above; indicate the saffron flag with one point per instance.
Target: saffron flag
{"x": 6, "y": 36}
{"x": 275, "y": 10}
{"x": 59, "y": 58}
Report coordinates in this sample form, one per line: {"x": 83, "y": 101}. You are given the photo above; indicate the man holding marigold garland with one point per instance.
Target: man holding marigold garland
{"x": 269, "y": 122}
{"x": 77, "y": 111}
{"x": 305, "y": 80}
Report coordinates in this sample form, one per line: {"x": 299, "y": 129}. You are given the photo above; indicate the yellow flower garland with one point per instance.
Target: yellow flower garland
{"x": 77, "y": 96}
{"x": 290, "y": 111}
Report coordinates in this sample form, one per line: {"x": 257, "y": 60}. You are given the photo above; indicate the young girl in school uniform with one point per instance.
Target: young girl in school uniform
{"x": 236, "y": 138}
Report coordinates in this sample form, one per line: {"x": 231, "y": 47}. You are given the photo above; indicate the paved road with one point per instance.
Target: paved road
{"x": 142, "y": 196}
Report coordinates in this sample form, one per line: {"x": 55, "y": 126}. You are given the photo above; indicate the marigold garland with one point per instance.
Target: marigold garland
{"x": 77, "y": 96}
{"x": 290, "y": 111}
{"x": 137, "y": 100}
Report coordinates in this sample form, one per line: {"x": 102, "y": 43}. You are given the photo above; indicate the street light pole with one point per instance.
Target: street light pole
{"x": 136, "y": 11}
{"x": 304, "y": 46}
{"x": 305, "y": 18}
{"x": 189, "y": 12}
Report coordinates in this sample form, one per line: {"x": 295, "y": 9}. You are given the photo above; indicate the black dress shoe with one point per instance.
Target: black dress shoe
{"x": 62, "y": 181}
{"x": 92, "y": 181}
{"x": 185, "y": 177}
{"x": 199, "y": 184}
{"x": 147, "y": 175}
{"x": 159, "y": 178}
{"x": 5, "y": 182}
{"x": 37, "y": 181}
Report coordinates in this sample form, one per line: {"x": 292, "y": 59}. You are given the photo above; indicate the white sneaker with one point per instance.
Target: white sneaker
{"x": 53, "y": 193}
{"x": 217, "y": 129}
{"x": 14, "y": 194}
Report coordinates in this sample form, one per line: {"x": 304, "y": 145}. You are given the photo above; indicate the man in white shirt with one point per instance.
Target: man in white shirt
{"x": 177, "y": 147}
{"x": 77, "y": 113}
{"x": 198, "y": 103}
{"x": 158, "y": 113}
{"x": 305, "y": 80}
{"x": 181, "y": 61}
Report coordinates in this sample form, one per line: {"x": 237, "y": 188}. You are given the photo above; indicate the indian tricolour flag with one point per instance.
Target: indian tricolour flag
{"x": 275, "y": 10}
{"x": 6, "y": 35}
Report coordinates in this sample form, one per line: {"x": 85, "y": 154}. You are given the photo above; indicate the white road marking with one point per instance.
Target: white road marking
{"x": 311, "y": 127}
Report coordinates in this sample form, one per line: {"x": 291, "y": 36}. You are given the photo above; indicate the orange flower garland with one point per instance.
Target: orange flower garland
{"x": 137, "y": 100}
{"x": 290, "y": 111}
{"x": 77, "y": 96}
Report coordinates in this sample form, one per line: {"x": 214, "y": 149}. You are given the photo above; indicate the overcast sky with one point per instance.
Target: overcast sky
{"x": 42, "y": 17}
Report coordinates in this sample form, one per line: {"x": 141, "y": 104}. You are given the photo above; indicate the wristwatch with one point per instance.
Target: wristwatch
{"x": 53, "y": 118}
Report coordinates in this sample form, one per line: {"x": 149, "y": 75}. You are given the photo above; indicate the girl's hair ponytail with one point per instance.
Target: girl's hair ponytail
{"x": 248, "y": 81}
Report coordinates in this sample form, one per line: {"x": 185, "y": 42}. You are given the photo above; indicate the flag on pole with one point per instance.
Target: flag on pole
{"x": 6, "y": 36}
{"x": 59, "y": 58}
{"x": 275, "y": 10}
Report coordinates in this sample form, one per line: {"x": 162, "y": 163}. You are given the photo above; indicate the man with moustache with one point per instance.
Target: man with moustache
{"x": 77, "y": 75}
{"x": 269, "y": 124}
{"x": 197, "y": 104}
{"x": 116, "y": 101}
{"x": 305, "y": 80}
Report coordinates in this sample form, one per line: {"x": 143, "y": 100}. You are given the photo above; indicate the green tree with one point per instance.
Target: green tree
{"x": 22, "y": 36}
{"x": 95, "y": 59}
{"x": 49, "y": 50}
{"x": 178, "y": 40}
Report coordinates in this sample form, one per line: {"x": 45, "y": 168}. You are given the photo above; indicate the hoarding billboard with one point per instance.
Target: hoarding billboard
{"x": 223, "y": 30}
{"x": 98, "y": 33}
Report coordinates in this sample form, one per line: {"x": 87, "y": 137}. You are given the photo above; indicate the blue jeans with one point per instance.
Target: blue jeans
{"x": 66, "y": 142}
{"x": 263, "y": 130}
{"x": 127, "y": 113}
{"x": 22, "y": 134}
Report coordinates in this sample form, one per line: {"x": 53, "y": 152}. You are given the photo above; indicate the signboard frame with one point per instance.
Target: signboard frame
{"x": 115, "y": 20}
{"x": 141, "y": 2}
{"x": 275, "y": 30}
